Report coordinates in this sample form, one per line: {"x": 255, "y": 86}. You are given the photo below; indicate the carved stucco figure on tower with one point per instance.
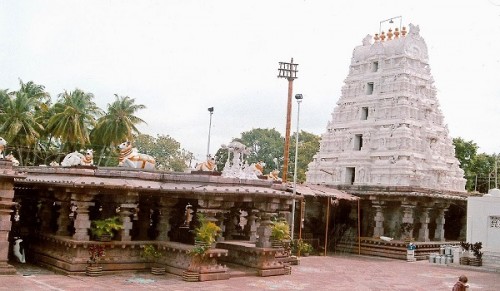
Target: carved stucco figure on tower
{"x": 387, "y": 128}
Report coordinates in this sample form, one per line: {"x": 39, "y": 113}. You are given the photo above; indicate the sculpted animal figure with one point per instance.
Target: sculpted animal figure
{"x": 88, "y": 158}
{"x": 3, "y": 143}
{"x": 129, "y": 157}
{"x": 258, "y": 168}
{"x": 206, "y": 166}
{"x": 75, "y": 159}
{"x": 11, "y": 158}
{"x": 274, "y": 176}
{"x": 18, "y": 250}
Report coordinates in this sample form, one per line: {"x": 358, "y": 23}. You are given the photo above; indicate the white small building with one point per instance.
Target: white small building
{"x": 483, "y": 225}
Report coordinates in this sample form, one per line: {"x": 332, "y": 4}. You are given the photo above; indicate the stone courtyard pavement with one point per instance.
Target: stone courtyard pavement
{"x": 314, "y": 273}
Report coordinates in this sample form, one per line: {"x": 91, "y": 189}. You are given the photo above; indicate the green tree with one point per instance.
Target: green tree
{"x": 267, "y": 144}
{"x": 465, "y": 152}
{"x": 74, "y": 116}
{"x": 166, "y": 151}
{"x": 117, "y": 125}
{"x": 41, "y": 111}
{"x": 308, "y": 147}
{"x": 482, "y": 170}
{"x": 19, "y": 125}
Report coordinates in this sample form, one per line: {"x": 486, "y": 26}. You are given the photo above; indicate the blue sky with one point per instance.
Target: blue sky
{"x": 180, "y": 57}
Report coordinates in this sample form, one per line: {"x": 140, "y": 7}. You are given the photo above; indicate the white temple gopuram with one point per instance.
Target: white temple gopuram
{"x": 387, "y": 141}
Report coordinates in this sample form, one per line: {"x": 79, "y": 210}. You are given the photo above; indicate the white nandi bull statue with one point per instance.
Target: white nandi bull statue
{"x": 129, "y": 157}
{"x": 76, "y": 159}
{"x": 3, "y": 143}
{"x": 207, "y": 166}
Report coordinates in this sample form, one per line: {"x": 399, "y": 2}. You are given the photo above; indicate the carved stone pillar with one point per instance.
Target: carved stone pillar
{"x": 407, "y": 221}
{"x": 423, "y": 232}
{"x": 82, "y": 222}
{"x": 266, "y": 210}
{"x": 6, "y": 195}
{"x": 378, "y": 229}
{"x": 251, "y": 227}
{"x": 264, "y": 230}
{"x": 230, "y": 227}
{"x": 125, "y": 213}
{"x": 211, "y": 207}
{"x": 440, "y": 220}
{"x": 163, "y": 227}
{"x": 63, "y": 221}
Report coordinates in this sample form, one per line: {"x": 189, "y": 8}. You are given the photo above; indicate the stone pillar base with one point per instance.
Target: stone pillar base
{"x": 6, "y": 269}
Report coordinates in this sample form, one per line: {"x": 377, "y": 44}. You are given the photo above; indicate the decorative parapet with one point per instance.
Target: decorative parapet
{"x": 262, "y": 259}
{"x": 71, "y": 256}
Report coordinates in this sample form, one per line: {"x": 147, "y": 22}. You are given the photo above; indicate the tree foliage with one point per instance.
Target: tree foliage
{"x": 39, "y": 132}
{"x": 166, "y": 150}
{"x": 268, "y": 144}
{"x": 478, "y": 168}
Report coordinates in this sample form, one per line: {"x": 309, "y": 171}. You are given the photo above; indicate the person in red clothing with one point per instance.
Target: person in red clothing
{"x": 461, "y": 284}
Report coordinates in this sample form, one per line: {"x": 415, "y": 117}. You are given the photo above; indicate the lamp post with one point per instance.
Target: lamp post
{"x": 287, "y": 71}
{"x": 211, "y": 110}
{"x": 299, "y": 98}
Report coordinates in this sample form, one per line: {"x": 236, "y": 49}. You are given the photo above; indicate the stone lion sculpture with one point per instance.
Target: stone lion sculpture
{"x": 76, "y": 159}
{"x": 129, "y": 157}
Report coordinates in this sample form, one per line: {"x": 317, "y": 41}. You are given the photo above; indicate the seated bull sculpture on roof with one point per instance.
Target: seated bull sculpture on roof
{"x": 206, "y": 166}
{"x": 129, "y": 157}
{"x": 76, "y": 159}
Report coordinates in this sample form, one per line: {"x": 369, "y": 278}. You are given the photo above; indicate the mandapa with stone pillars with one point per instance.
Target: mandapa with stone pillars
{"x": 57, "y": 206}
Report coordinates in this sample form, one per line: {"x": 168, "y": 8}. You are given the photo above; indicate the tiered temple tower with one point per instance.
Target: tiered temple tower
{"x": 387, "y": 128}
{"x": 387, "y": 141}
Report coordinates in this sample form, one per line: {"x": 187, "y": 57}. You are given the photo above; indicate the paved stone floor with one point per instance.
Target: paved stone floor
{"x": 313, "y": 273}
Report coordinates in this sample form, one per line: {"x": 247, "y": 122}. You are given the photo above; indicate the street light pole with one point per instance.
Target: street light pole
{"x": 287, "y": 71}
{"x": 211, "y": 110}
{"x": 299, "y": 98}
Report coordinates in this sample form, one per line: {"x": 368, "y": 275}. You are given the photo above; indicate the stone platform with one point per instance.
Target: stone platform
{"x": 395, "y": 249}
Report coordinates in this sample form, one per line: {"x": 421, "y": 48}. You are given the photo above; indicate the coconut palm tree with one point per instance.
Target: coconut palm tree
{"x": 74, "y": 115}
{"x": 41, "y": 108}
{"x": 118, "y": 124}
{"x": 19, "y": 125}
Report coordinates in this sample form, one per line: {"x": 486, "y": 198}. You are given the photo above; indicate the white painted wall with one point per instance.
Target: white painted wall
{"x": 480, "y": 210}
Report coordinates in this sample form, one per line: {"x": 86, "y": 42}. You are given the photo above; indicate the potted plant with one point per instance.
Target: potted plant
{"x": 206, "y": 233}
{"x": 280, "y": 233}
{"x": 205, "y": 236}
{"x": 464, "y": 259}
{"x": 477, "y": 260}
{"x": 153, "y": 254}
{"x": 96, "y": 252}
{"x": 304, "y": 248}
{"x": 103, "y": 229}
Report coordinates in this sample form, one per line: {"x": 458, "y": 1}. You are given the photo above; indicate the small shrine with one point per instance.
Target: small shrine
{"x": 483, "y": 225}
